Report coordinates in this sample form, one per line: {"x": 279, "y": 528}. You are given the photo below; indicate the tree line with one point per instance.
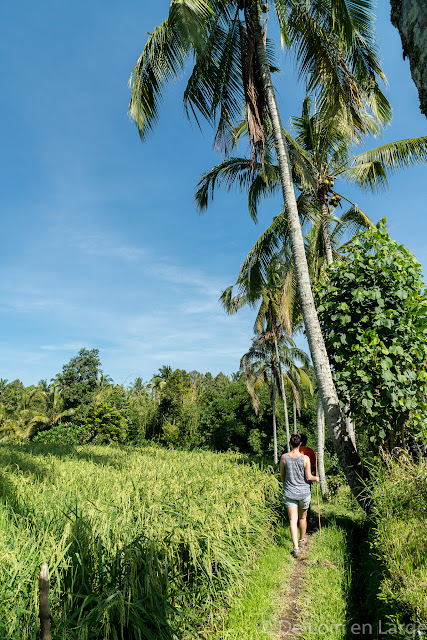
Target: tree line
{"x": 175, "y": 408}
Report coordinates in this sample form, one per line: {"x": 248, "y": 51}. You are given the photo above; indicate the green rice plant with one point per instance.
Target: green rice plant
{"x": 140, "y": 543}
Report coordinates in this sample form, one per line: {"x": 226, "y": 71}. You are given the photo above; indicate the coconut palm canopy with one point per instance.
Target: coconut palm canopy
{"x": 333, "y": 43}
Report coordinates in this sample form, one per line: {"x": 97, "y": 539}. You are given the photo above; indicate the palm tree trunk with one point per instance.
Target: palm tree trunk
{"x": 282, "y": 389}
{"x": 326, "y": 236}
{"x": 276, "y": 457}
{"x": 350, "y": 424}
{"x": 321, "y": 448}
{"x": 347, "y": 454}
{"x": 295, "y": 417}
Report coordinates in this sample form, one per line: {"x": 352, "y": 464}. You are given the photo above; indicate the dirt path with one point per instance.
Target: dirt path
{"x": 289, "y": 621}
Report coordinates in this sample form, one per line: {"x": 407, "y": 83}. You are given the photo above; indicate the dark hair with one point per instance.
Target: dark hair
{"x": 303, "y": 439}
{"x": 295, "y": 440}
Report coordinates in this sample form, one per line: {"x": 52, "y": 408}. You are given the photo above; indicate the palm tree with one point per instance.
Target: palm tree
{"x": 104, "y": 384}
{"x": 159, "y": 381}
{"x": 274, "y": 322}
{"x": 300, "y": 386}
{"x": 321, "y": 153}
{"x": 3, "y": 385}
{"x": 53, "y": 413}
{"x": 261, "y": 367}
{"x": 232, "y": 68}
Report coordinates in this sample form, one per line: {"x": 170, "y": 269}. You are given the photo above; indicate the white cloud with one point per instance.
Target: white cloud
{"x": 106, "y": 246}
{"x": 67, "y": 346}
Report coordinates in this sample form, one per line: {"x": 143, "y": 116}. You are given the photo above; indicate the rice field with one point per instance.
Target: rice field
{"x": 141, "y": 543}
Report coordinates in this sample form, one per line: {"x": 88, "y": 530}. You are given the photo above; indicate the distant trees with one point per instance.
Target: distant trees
{"x": 79, "y": 377}
{"x": 189, "y": 409}
{"x": 53, "y": 411}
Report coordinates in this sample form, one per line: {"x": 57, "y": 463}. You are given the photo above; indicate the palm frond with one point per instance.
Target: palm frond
{"x": 234, "y": 172}
{"x": 369, "y": 176}
{"x": 265, "y": 183}
{"x": 215, "y": 84}
{"x": 163, "y": 58}
{"x": 232, "y": 303}
{"x": 376, "y": 164}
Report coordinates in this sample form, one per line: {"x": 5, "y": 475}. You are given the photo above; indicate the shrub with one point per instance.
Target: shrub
{"x": 106, "y": 422}
{"x": 68, "y": 433}
{"x": 373, "y": 315}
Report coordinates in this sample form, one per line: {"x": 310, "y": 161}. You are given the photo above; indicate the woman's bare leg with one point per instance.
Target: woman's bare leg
{"x": 293, "y": 521}
{"x": 302, "y": 517}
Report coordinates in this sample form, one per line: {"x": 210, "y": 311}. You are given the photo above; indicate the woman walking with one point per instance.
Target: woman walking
{"x": 295, "y": 471}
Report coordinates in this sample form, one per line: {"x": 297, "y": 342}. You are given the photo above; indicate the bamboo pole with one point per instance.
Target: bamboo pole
{"x": 44, "y": 610}
{"x": 318, "y": 502}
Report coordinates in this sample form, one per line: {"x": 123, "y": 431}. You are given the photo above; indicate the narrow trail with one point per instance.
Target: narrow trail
{"x": 289, "y": 619}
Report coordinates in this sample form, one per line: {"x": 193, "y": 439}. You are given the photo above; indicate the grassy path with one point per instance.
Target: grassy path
{"x": 255, "y": 614}
{"x": 327, "y": 593}
{"x": 289, "y": 620}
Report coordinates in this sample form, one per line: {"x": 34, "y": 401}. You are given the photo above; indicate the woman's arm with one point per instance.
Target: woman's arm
{"x": 307, "y": 466}
{"x": 282, "y": 468}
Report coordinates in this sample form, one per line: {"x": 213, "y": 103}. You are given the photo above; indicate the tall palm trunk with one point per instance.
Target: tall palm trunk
{"x": 349, "y": 423}
{"x": 347, "y": 454}
{"x": 326, "y": 236}
{"x": 321, "y": 448}
{"x": 295, "y": 416}
{"x": 282, "y": 389}
{"x": 276, "y": 457}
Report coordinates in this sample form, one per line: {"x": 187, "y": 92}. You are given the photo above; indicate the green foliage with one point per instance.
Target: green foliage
{"x": 228, "y": 420}
{"x": 141, "y": 544}
{"x": 78, "y": 379}
{"x": 176, "y": 408}
{"x": 373, "y": 315}
{"x": 399, "y": 493}
{"x": 68, "y": 433}
{"x": 106, "y": 421}
{"x": 12, "y": 393}
{"x": 171, "y": 408}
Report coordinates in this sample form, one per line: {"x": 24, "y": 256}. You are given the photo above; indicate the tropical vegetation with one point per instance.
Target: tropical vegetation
{"x": 141, "y": 543}
{"x": 373, "y": 314}
{"x": 176, "y": 408}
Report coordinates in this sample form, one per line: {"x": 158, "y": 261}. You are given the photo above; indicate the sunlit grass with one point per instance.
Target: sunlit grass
{"x": 254, "y": 615}
{"x": 149, "y": 543}
{"x": 400, "y": 535}
{"x": 326, "y": 584}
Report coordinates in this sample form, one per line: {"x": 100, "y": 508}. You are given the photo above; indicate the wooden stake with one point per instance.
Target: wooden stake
{"x": 44, "y": 610}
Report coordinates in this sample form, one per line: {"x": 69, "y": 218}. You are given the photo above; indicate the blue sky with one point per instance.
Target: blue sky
{"x": 101, "y": 246}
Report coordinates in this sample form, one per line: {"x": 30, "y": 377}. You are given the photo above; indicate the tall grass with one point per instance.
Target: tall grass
{"x": 140, "y": 544}
{"x": 400, "y": 535}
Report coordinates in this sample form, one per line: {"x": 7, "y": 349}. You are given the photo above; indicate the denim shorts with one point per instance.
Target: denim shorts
{"x": 302, "y": 504}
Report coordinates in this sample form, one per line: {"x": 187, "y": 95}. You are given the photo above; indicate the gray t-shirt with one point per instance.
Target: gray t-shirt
{"x": 296, "y": 486}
